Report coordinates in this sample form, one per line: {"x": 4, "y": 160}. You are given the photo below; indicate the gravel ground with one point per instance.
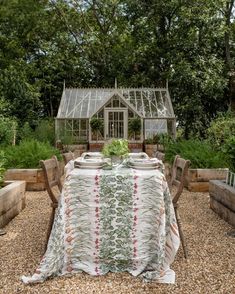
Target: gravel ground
{"x": 209, "y": 269}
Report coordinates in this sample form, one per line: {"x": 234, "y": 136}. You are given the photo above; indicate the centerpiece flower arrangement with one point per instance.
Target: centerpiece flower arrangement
{"x": 116, "y": 149}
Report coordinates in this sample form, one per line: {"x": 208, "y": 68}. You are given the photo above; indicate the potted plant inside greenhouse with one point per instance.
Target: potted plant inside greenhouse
{"x": 134, "y": 128}
{"x": 150, "y": 145}
{"x": 97, "y": 126}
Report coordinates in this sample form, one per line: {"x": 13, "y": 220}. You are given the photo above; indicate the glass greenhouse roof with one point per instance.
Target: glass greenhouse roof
{"x": 84, "y": 103}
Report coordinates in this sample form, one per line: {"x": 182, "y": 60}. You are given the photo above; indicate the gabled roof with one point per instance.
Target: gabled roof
{"x": 83, "y": 103}
{"x": 125, "y": 102}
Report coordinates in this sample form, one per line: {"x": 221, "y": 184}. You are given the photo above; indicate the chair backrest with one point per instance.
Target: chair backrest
{"x": 178, "y": 176}
{"x": 161, "y": 156}
{"x": 67, "y": 157}
{"x": 51, "y": 172}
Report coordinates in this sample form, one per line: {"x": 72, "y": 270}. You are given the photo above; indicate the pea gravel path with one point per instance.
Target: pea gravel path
{"x": 210, "y": 268}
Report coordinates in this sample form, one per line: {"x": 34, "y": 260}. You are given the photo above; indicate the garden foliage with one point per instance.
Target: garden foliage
{"x": 2, "y": 168}
{"x": 200, "y": 153}
{"x": 7, "y": 128}
{"x": 28, "y": 154}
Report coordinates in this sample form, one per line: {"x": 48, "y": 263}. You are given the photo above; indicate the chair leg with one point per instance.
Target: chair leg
{"x": 51, "y": 220}
{"x": 181, "y": 233}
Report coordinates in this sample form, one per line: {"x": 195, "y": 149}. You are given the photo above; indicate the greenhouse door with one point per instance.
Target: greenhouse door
{"x": 116, "y": 124}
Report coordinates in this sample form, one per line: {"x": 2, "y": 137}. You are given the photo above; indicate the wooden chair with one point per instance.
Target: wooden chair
{"x": 179, "y": 172}
{"x": 67, "y": 157}
{"x": 161, "y": 156}
{"x": 51, "y": 172}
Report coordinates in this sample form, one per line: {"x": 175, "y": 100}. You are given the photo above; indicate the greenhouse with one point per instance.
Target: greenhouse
{"x": 97, "y": 115}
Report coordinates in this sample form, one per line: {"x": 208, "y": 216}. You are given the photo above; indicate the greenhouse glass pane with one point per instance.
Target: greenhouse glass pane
{"x": 131, "y": 98}
{"x": 115, "y": 102}
{"x": 155, "y": 126}
{"x": 83, "y": 124}
{"x": 171, "y": 127}
{"x": 76, "y": 124}
{"x": 146, "y": 105}
{"x": 101, "y": 114}
{"x": 165, "y": 97}
{"x": 130, "y": 113}
{"x": 139, "y": 104}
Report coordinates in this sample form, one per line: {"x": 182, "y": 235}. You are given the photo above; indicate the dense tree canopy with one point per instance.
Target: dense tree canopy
{"x": 140, "y": 42}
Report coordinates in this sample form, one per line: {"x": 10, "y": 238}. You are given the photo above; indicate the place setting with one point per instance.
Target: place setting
{"x": 89, "y": 161}
{"x": 144, "y": 163}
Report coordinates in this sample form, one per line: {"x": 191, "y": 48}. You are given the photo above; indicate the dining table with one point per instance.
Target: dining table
{"x": 118, "y": 219}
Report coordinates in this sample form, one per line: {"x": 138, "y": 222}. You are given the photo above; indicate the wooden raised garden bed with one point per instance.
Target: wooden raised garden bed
{"x": 222, "y": 200}
{"x": 12, "y": 201}
{"x": 198, "y": 179}
{"x": 33, "y": 177}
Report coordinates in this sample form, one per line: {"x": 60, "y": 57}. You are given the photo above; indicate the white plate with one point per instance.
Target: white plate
{"x": 89, "y": 162}
{"x": 139, "y": 155}
{"x": 87, "y": 155}
{"x": 145, "y": 167}
{"x": 144, "y": 163}
{"x": 88, "y": 167}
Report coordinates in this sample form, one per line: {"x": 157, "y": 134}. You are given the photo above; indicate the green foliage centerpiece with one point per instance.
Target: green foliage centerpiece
{"x": 116, "y": 150}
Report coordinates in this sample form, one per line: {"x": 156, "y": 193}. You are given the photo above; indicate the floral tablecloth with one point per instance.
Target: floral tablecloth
{"x": 112, "y": 220}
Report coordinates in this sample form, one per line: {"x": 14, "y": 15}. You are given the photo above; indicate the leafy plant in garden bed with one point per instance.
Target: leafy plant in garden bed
{"x": 221, "y": 130}
{"x": 2, "y": 168}
{"x": 28, "y": 154}
{"x": 7, "y": 127}
{"x": 229, "y": 149}
{"x": 200, "y": 153}
{"x": 43, "y": 132}
{"x": 221, "y": 134}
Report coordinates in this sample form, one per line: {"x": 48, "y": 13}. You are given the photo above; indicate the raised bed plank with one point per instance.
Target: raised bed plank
{"x": 12, "y": 201}
{"x": 198, "y": 186}
{"x": 198, "y": 179}
{"x": 11, "y": 213}
{"x": 223, "y": 193}
{"x": 34, "y": 178}
{"x": 224, "y": 212}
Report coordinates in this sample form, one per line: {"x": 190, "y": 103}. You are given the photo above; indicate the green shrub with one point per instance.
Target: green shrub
{"x": 200, "y": 153}
{"x": 28, "y": 154}
{"x": 7, "y": 129}
{"x": 221, "y": 129}
{"x": 229, "y": 150}
{"x": 25, "y": 133}
{"x": 165, "y": 140}
{"x": 2, "y": 168}
{"x": 45, "y": 131}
